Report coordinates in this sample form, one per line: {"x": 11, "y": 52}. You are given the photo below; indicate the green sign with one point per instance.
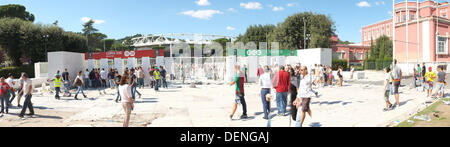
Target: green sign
{"x": 248, "y": 52}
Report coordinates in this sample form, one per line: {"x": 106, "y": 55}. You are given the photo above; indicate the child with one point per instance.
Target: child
{"x": 387, "y": 86}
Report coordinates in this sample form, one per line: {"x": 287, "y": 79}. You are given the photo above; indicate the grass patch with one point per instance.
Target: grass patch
{"x": 428, "y": 110}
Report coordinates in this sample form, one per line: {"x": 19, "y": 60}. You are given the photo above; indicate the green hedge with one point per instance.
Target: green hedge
{"x": 371, "y": 64}
{"x": 17, "y": 70}
{"x": 336, "y": 63}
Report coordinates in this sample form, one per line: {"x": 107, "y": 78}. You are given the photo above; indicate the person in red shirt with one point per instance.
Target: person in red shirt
{"x": 238, "y": 81}
{"x": 4, "y": 95}
{"x": 260, "y": 71}
{"x": 281, "y": 83}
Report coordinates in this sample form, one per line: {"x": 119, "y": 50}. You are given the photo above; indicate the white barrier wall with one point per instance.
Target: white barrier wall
{"x": 252, "y": 69}
{"x": 40, "y": 69}
{"x": 118, "y": 65}
{"x": 74, "y": 62}
{"x": 104, "y": 64}
{"x": 309, "y": 57}
{"x": 146, "y": 65}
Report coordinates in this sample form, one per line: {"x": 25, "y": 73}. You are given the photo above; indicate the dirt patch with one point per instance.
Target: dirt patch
{"x": 443, "y": 111}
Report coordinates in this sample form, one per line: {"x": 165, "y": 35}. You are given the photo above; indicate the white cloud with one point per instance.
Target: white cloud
{"x": 96, "y": 21}
{"x": 363, "y": 4}
{"x": 389, "y": 12}
{"x": 291, "y": 4}
{"x": 201, "y": 14}
{"x": 203, "y": 3}
{"x": 229, "y": 28}
{"x": 232, "y": 10}
{"x": 251, "y": 5}
{"x": 379, "y": 3}
{"x": 277, "y": 8}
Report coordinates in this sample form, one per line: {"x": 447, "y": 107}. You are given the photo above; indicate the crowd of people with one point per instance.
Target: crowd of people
{"x": 295, "y": 81}
{"x": 7, "y": 94}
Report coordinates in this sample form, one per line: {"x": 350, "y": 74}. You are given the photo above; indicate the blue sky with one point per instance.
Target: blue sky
{"x": 120, "y": 18}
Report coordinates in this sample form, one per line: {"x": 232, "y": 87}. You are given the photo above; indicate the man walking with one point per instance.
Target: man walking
{"x": 57, "y": 83}
{"x": 240, "y": 95}
{"x": 440, "y": 84}
{"x": 111, "y": 78}
{"x": 27, "y": 90}
{"x": 140, "y": 77}
{"x": 281, "y": 83}
{"x": 266, "y": 84}
{"x": 133, "y": 84}
{"x": 430, "y": 75}
{"x": 157, "y": 74}
{"x": 163, "y": 73}
{"x": 11, "y": 90}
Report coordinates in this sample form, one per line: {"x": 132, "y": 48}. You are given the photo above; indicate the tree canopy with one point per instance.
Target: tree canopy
{"x": 19, "y": 38}
{"x": 291, "y": 33}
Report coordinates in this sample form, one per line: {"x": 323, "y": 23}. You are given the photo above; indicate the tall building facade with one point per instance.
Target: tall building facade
{"x": 421, "y": 31}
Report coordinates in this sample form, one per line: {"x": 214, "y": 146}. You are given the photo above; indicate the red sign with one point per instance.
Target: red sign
{"x": 123, "y": 54}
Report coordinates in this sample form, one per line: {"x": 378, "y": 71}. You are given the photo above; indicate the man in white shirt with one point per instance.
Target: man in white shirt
{"x": 265, "y": 82}
{"x": 87, "y": 82}
{"x": 104, "y": 76}
{"x": 27, "y": 91}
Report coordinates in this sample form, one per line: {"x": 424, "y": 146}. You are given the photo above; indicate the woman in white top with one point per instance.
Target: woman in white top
{"x": 305, "y": 93}
{"x": 127, "y": 101}
{"x": 266, "y": 84}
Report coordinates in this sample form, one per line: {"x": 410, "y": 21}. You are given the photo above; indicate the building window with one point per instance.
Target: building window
{"x": 388, "y": 31}
{"x": 442, "y": 45}
{"x": 359, "y": 56}
{"x": 139, "y": 61}
{"x": 110, "y": 63}
{"x": 339, "y": 55}
{"x": 97, "y": 64}
{"x": 404, "y": 18}
{"x": 398, "y": 19}
{"x": 412, "y": 17}
{"x": 352, "y": 56}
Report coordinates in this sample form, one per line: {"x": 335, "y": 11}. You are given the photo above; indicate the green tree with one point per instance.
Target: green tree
{"x": 15, "y": 11}
{"x": 20, "y": 38}
{"x": 223, "y": 42}
{"x": 108, "y": 43}
{"x": 257, "y": 34}
{"x": 291, "y": 33}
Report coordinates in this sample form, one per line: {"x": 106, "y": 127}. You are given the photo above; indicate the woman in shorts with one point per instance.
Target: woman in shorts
{"x": 305, "y": 93}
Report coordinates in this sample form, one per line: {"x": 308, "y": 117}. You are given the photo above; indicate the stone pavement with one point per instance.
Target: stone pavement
{"x": 353, "y": 105}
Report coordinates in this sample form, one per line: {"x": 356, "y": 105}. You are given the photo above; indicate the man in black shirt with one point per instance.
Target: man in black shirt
{"x": 66, "y": 79}
{"x": 163, "y": 73}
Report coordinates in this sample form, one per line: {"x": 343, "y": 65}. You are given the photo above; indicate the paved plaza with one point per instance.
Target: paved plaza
{"x": 356, "y": 104}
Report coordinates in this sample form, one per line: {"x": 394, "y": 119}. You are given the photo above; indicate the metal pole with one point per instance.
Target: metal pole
{"x": 393, "y": 28}
{"x": 407, "y": 34}
{"x": 304, "y": 33}
{"x": 418, "y": 32}
{"x": 437, "y": 30}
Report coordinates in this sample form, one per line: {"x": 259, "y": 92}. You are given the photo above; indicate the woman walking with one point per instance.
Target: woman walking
{"x": 295, "y": 81}
{"x": 117, "y": 78}
{"x": 127, "y": 101}
{"x": 305, "y": 93}
{"x": 79, "y": 84}
{"x": 339, "y": 74}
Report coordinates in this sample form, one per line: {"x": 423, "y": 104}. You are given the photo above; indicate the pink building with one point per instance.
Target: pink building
{"x": 353, "y": 53}
{"x": 415, "y": 31}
